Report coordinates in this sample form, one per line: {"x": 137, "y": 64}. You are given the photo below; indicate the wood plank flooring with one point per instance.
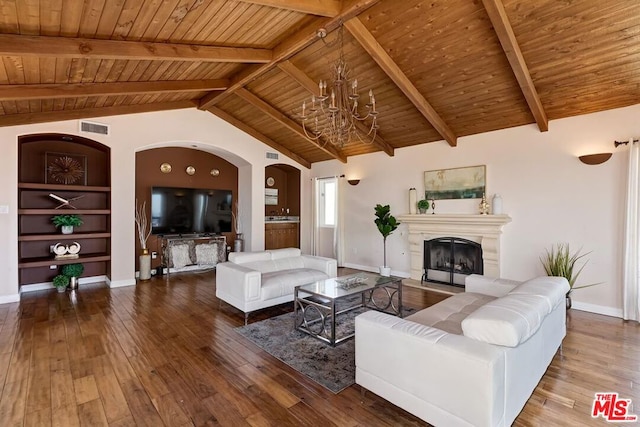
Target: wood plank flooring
{"x": 165, "y": 353}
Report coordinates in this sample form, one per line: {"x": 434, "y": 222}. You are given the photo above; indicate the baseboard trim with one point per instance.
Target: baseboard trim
{"x": 48, "y": 285}
{"x": 402, "y": 274}
{"x": 597, "y": 309}
{"x": 120, "y": 283}
{"x": 6, "y": 299}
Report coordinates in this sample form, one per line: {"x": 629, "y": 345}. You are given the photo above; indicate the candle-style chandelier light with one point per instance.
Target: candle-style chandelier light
{"x": 334, "y": 117}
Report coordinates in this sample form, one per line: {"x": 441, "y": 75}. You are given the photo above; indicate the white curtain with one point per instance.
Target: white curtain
{"x": 631, "y": 255}
{"x": 338, "y": 231}
{"x": 315, "y": 218}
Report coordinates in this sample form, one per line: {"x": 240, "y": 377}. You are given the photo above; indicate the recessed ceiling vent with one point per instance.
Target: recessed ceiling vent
{"x": 273, "y": 156}
{"x": 93, "y": 127}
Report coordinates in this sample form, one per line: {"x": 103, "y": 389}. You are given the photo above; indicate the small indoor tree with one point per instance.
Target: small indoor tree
{"x": 386, "y": 224}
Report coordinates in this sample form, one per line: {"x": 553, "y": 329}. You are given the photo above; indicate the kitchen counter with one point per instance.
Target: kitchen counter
{"x": 281, "y": 219}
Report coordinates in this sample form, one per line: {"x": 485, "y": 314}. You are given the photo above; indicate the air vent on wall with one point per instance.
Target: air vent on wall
{"x": 272, "y": 156}
{"x": 93, "y": 127}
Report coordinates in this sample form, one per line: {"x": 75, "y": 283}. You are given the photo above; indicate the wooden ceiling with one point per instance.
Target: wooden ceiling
{"x": 439, "y": 69}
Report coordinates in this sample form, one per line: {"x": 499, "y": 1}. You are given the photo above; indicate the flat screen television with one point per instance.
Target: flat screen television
{"x": 190, "y": 210}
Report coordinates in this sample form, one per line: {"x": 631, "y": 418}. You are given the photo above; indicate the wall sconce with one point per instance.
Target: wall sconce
{"x": 353, "y": 181}
{"x": 595, "y": 159}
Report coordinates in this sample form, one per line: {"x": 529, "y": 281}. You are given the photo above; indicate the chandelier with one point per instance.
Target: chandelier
{"x": 334, "y": 117}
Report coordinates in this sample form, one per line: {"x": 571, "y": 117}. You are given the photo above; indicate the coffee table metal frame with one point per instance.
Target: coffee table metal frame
{"x": 315, "y": 303}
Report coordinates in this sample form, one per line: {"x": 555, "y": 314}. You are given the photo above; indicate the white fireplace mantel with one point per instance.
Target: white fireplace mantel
{"x": 482, "y": 229}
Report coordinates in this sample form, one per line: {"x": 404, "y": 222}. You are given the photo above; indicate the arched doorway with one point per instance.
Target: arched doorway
{"x": 282, "y": 206}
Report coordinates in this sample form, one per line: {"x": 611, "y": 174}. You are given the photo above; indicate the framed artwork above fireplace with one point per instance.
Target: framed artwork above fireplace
{"x": 457, "y": 183}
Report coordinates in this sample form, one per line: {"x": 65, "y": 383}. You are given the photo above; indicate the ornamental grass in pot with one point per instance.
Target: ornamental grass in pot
{"x": 560, "y": 262}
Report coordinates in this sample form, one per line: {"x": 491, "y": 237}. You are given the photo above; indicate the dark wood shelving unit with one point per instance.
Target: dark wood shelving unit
{"x": 46, "y": 261}
{"x": 71, "y": 237}
{"x": 36, "y": 232}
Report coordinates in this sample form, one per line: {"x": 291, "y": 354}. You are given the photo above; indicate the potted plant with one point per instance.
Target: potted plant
{"x": 61, "y": 282}
{"x": 386, "y": 224}
{"x": 67, "y": 222}
{"x": 560, "y": 262}
{"x": 73, "y": 272}
{"x": 423, "y": 206}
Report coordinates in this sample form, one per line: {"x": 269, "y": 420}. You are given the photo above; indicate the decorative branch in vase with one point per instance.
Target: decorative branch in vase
{"x": 142, "y": 225}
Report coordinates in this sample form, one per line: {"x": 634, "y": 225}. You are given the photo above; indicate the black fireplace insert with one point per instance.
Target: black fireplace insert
{"x": 449, "y": 260}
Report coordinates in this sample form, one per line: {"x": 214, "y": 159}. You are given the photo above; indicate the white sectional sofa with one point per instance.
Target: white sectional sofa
{"x": 254, "y": 280}
{"x": 471, "y": 360}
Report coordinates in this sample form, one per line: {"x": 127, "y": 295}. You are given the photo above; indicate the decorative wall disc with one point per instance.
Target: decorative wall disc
{"x": 65, "y": 170}
{"x": 165, "y": 168}
{"x": 190, "y": 170}
{"x": 271, "y": 181}
{"x": 215, "y": 172}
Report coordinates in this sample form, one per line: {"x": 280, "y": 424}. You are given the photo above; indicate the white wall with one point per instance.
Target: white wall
{"x": 130, "y": 134}
{"x": 550, "y": 195}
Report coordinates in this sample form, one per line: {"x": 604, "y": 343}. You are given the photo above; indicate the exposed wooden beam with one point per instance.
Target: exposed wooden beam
{"x": 502, "y": 27}
{"x": 258, "y": 135}
{"x": 305, "y": 81}
{"x": 288, "y": 48}
{"x": 66, "y": 47}
{"x": 75, "y": 90}
{"x": 287, "y": 122}
{"x": 54, "y": 116}
{"x": 382, "y": 58}
{"x": 328, "y": 8}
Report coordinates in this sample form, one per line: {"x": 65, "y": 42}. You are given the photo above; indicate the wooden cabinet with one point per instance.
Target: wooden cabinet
{"x": 36, "y": 207}
{"x": 281, "y": 235}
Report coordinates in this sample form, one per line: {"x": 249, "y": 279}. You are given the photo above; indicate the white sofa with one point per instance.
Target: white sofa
{"x": 471, "y": 360}
{"x": 250, "y": 281}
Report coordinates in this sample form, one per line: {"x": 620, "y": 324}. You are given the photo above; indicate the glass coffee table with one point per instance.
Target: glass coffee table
{"x": 319, "y": 305}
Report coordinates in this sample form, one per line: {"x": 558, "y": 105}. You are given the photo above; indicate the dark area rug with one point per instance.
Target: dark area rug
{"x": 332, "y": 367}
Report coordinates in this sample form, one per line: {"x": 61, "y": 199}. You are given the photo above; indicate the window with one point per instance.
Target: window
{"x": 327, "y": 203}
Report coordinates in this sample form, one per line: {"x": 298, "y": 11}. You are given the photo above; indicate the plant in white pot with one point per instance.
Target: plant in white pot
{"x": 67, "y": 222}
{"x": 61, "y": 282}
{"x": 386, "y": 224}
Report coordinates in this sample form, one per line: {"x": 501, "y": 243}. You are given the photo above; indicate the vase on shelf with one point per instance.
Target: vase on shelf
{"x": 67, "y": 229}
{"x": 413, "y": 200}
{"x": 496, "y": 204}
{"x": 145, "y": 265}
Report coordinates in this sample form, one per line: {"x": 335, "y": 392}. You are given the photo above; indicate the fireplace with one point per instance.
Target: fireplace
{"x": 449, "y": 260}
{"x": 484, "y": 230}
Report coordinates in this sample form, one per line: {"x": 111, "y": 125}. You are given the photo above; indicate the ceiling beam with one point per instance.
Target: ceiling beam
{"x": 382, "y": 58}
{"x": 66, "y": 47}
{"x": 503, "y": 29}
{"x": 76, "y": 90}
{"x": 288, "y": 48}
{"x": 306, "y": 82}
{"x": 328, "y": 8}
{"x": 55, "y": 116}
{"x": 288, "y": 123}
{"x": 258, "y": 135}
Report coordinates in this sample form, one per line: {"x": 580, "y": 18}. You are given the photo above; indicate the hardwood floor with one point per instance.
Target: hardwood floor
{"x": 164, "y": 352}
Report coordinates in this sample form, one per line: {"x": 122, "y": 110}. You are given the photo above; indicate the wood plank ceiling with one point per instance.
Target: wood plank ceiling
{"x": 439, "y": 69}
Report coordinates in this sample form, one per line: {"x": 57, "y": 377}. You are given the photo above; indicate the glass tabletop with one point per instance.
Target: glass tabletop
{"x": 342, "y": 286}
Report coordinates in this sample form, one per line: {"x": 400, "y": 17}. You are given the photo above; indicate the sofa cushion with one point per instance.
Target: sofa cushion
{"x": 280, "y": 283}
{"x": 284, "y": 253}
{"x": 552, "y": 290}
{"x": 448, "y": 314}
{"x": 246, "y": 257}
{"x": 506, "y": 321}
